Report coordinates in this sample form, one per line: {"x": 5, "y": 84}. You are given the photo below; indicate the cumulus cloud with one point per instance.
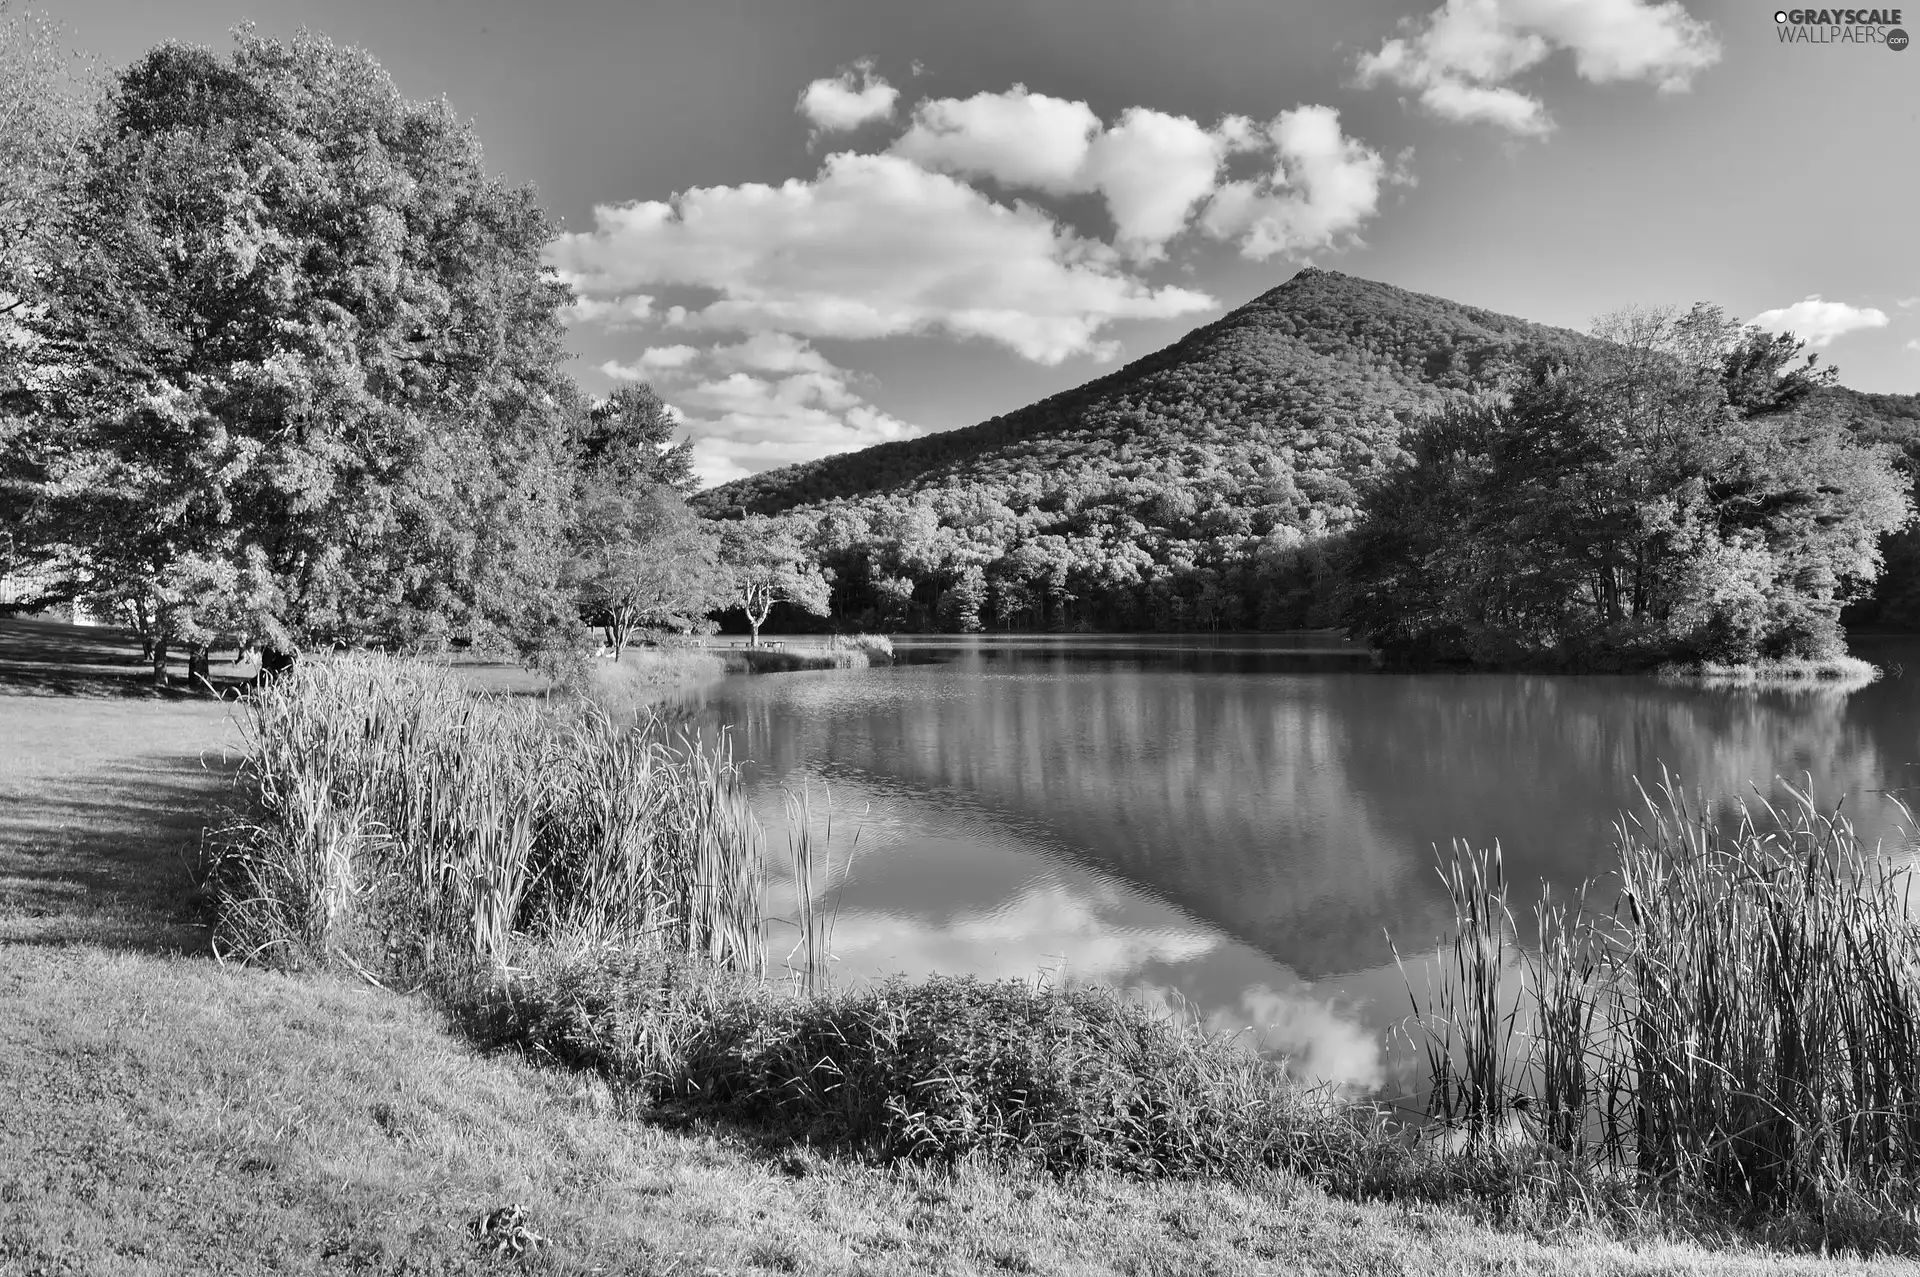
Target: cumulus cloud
{"x": 652, "y": 363}
{"x": 1155, "y": 170}
{"x": 847, "y": 100}
{"x": 768, "y": 400}
{"x": 611, "y": 312}
{"x": 1460, "y": 58}
{"x": 1016, "y": 138}
{"x": 872, "y": 246}
{"x": 1819, "y": 322}
{"x": 1914, "y": 344}
{"x": 1323, "y": 186}
{"x": 1908, "y": 303}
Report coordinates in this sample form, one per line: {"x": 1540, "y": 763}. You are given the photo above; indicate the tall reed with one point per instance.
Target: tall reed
{"x": 397, "y": 823}
{"x": 1743, "y": 1027}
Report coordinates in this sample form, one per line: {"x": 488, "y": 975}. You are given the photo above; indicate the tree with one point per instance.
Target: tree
{"x": 629, "y": 436}
{"x": 303, "y": 361}
{"x": 768, "y": 565}
{"x": 46, "y": 95}
{"x": 640, "y": 558}
{"x": 1659, "y": 499}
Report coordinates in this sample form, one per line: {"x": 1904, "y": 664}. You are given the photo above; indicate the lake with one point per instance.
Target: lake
{"x": 1245, "y": 827}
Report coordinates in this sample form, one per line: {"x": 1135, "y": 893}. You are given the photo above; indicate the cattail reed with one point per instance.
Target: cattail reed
{"x": 1743, "y": 1027}
{"x": 398, "y": 823}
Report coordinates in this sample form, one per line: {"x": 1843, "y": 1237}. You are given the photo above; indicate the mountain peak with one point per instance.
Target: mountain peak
{"x": 1315, "y": 377}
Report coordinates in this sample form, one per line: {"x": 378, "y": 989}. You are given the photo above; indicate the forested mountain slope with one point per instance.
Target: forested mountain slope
{"x": 1202, "y": 486}
{"x": 1316, "y": 375}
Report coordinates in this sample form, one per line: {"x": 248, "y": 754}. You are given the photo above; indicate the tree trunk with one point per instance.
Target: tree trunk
{"x": 617, "y": 636}
{"x": 200, "y": 664}
{"x": 157, "y": 653}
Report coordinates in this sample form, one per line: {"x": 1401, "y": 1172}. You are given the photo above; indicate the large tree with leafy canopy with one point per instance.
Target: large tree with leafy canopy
{"x": 768, "y": 564}
{"x": 46, "y": 96}
{"x": 629, "y": 437}
{"x": 640, "y": 559}
{"x": 302, "y": 369}
{"x": 1661, "y": 497}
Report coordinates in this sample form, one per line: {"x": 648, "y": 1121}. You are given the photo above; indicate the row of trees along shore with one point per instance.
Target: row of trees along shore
{"x": 280, "y": 361}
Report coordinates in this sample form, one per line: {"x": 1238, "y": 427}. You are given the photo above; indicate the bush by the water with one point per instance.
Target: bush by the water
{"x": 1066, "y": 1078}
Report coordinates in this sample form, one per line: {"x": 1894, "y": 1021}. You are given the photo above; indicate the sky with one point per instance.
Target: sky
{"x": 816, "y": 225}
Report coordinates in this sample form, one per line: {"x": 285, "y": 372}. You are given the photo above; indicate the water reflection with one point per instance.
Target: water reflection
{"x": 1222, "y": 826}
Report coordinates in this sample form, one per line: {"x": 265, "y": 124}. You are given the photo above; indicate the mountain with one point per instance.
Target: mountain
{"x": 1200, "y": 486}
{"x": 1318, "y": 370}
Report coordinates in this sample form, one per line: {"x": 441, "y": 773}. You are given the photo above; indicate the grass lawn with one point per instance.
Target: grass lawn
{"x": 162, "y": 1114}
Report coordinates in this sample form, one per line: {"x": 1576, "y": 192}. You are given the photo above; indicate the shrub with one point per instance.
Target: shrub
{"x": 1069, "y": 1079}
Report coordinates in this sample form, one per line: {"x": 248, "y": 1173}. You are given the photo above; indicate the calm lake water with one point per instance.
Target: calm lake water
{"x": 1238, "y": 826}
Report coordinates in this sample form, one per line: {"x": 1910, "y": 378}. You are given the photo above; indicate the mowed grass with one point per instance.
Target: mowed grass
{"x": 166, "y": 1114}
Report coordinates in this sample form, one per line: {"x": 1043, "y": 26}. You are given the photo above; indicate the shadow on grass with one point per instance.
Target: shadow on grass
{"x": 112, "y": 860}
{"x": 52, "y": 658}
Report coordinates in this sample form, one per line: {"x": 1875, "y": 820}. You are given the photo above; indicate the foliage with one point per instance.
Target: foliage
{"x": 1060, "y": 1078}
{"x": 45, "y": 96}
{"x": 302, "y": 367}
{"x": 767, "y": 564}
{"x": 638, "y": 558}
{"x": 1213, "y": 484}
{"x": 628, "y": 438}
{"x": 1622, "y": 511}
{"x": 1893, "y": 419}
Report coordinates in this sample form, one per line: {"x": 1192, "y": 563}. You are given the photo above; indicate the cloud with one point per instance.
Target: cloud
{"x": 1908, "y": 303}
{"x": 1154, "y": 170}
{"x": 844, "y": 102}
{"x": 1914, "y": 344}
{"x": 768, "y": 400}
{"x": 1323, "y": 186}
{"x": 1460, "y": 58}
{"x": 651, "y": 364}
{"x": 1819, "y": 322}
{"x": 612, "y": 312}
{"x": 1016, "y": 138}
{"x": 872, "y": 246}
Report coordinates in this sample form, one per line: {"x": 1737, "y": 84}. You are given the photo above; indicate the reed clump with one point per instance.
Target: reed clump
{"x": 396, "y": 823}
{"x": 1740, "y": 1032}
